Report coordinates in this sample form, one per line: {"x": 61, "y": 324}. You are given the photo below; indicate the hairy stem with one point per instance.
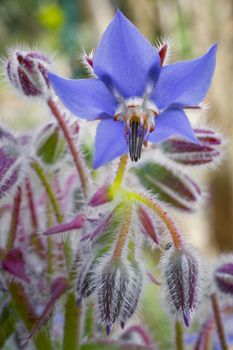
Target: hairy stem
{"x": 54, "y": 202}
{"x": 14, "y": 219}
{"x": 123, "y": 232}
{"x": 179, "y": 336}
{"x": 120, "y": 171}
{"x": 218, "y": 321}
{"x": 77, "y": 158}
{"x": 176, "y": 237}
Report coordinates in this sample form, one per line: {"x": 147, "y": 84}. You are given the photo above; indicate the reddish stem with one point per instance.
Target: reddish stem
{"x": 77, "y": 158}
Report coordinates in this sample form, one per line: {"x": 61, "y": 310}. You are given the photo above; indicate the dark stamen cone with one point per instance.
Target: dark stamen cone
{"x": 136, "y": 138}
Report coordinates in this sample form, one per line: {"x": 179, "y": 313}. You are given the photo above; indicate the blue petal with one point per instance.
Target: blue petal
{"x": 185, "y": 83}
{"x": 172, "y": 122}
{"x": 86, "y": 98}
{"x": 109, "y": 142}
{"x": 125, "y": 58}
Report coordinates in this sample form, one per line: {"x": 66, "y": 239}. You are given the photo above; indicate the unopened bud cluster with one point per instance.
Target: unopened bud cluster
{"x": 27, "y": 72}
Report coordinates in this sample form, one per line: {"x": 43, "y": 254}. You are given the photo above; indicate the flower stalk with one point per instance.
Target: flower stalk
{"x": 120, "y": 172}
{"x": 123, "y": 233}
{"x": 176, "y": 237}
{"x": 218, "y": 321}
{"x": 54, "y": 202}
{"x": 73, "y": 149}
{"x": 179, "y": 335}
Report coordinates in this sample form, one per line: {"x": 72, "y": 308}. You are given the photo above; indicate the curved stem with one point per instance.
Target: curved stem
{"x": 14, "y": 219}
{"x": 176, "y": 237}
{"x": 79, "y": 164}
{"x": 218, "y": 321}
{"x": 54, "y": 202}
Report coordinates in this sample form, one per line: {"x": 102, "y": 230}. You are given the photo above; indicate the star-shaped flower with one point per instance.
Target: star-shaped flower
{"x": 133, "y": 95}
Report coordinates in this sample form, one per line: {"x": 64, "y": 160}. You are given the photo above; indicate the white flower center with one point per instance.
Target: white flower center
{"x": 138, "y": 114}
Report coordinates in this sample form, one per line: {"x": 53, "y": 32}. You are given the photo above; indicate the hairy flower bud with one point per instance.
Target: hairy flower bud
{"x": 188, "y": 153}
{"x": 223, "y": 276}
{"x": 172, "y": 185}
{"x": 14, "y": 263}
{"x": 27, "y": 72}
{"x": 113, "y": 283}
{"x": 180, "y": 269}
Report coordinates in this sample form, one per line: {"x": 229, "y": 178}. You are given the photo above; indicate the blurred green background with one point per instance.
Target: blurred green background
{"x": 64, "y": 27}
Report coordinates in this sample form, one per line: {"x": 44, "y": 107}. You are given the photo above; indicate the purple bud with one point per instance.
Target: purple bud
{"x": 188, "y": 153}
{"x": 27, "y": 72}
{"x": 147, "y": 225}
{"x": 180, "y": 269}
{"x": 223, "y": 276}
{"x": 208, "y": 137}
{"x": 172, "y": 185}
{"x": 100, "y": 197}
{"x": 87, "y": 61}
{"x": 112, "y": 288}
{"x": 14, "y": 264}
{"x": 74, "y": 224}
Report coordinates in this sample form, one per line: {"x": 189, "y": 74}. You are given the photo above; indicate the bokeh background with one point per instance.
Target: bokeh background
{"x": 63, "y": 27}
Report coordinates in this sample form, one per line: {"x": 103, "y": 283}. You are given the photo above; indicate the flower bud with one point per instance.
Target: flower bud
{"x": 223, "y": 276}
{"x": 188, "y": 153}
{"x": 27, "y": 72}
{"x": 180, "y": 269}
{"x": 14, "y": 264}
{"x": 133, "y": 293}
{"x": 101, "y": 196}
{"x": 50, "y": 144}
{"x": 112, "y": 288}
{"x": 208, "y": 137}
{"x": 172, "y": 185}
{"x": 147, "y": 225}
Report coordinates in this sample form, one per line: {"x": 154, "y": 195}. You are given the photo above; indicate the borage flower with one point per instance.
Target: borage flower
{"x": 134, "y": 96}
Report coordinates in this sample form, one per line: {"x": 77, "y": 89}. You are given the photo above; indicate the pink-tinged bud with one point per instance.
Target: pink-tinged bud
{"x": 147, "y": 225}
{"x": 87, "y": 61}
{"x": 208, "y": 137}
{"x": 180, "y": 269}
{"x": 188, "y": 153}
{"x": 27, "y": 72}
{"x": 14, "y": 264}
{"x": 172, "y": 185}
{"x": 101, "y": 196}
{"x": 223, "y": 276}
{"x": 74, "y": 224}
{"x": 50, "y": 145}
{"x": 164, "y": 50}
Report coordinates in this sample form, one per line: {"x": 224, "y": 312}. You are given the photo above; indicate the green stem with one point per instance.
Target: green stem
{"x": 71, "y": 340}
{"x": 54, "y": 202}
{"x": 14, "y": 219}
{"x": 179, "y": 336}
{"x": 218, "y": 321}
